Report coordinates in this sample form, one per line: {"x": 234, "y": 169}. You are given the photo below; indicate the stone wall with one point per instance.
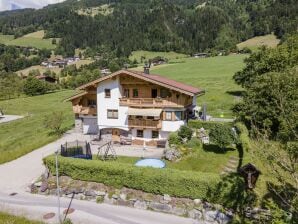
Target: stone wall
{"x": 100, "y": 193}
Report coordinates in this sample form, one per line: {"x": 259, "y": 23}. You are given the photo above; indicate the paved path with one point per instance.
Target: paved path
{"x": 8, "y": 118}
{"x": 85, "y": 211}
{"x": 16, "y": 175}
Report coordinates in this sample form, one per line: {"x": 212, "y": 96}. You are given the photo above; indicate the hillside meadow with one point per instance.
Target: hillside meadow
{"x": 35, "y": 39}
{"x": 22, "y": 136}
{"x": 213, "y": 74}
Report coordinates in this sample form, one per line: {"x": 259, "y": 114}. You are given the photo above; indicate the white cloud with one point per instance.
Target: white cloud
{"x": 6, "y": 4}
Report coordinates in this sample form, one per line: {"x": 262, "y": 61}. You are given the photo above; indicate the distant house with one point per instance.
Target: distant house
{"x": 158, "y": 61}
{"x": 200, "y": 55}
{"x": 105, "y": 71}
{"x": 46, "y": 78}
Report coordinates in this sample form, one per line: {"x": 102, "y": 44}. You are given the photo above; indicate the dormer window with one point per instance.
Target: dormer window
{"x": 107, "y": 93}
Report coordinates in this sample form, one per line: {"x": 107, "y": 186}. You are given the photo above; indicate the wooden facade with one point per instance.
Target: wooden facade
{"x": 85, "y": 103}
{"x": 139, "y": 93}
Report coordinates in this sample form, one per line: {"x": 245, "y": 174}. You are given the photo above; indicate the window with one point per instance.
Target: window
{"x": 107, "y": 93}
{"x": 178, "y": 115}
{"x": 139, "y": 117}
{"x": 135, "y": 93}
{"x": 168, "y": 115}
{"x": 112, "y": 114}
{"x": 154, "y": 134}
{"x": 126, "y": 93}
{"x": 91, "y": 103}
{"x": 140, "y": 133}
{"x": 164, "y": 93}
{"x": 150, "y": 117}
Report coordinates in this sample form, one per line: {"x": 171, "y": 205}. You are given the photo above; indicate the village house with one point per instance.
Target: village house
{"x": 133, "y": 105}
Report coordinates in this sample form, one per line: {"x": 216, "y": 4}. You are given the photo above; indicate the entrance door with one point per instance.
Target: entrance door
{"x": 153, "y": 93}
{"x": 116, "y": 135}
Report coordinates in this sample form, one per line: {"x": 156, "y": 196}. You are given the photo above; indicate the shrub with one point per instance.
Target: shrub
{"x": 194, "y": 143}
{"x": 157, "y": 181}
{"x": 185, "y": 132}
{"x": 197, "y": 124}
{"x": 174, "y": 139}
{"x": 33, "y": 86}
{"x": 54, "y": 122}
{"x": 243, "y": 136}
{"x": 221, "y": 135}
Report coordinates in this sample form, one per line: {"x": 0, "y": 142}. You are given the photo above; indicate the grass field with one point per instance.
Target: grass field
{"x": 25, "y": 135}
{"x": 29, "y": 40}
{"x": 254, "y": 43}
{"x": 171, "y": 56}
{"x": 11, "y": 219}
{"x": 213, "y": 74}
{"x": 43, "y": 69}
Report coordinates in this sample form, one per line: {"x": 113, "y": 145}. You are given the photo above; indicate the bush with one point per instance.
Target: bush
{"x": 194, "y": 143}
{"x": 174, "y": 139}
{"x": 197, "y": 124}
{"x": 185, "y": 132}
{"x": 54, "y": 122}
{"x": 243, "y": 136}
{"x": 221, "y": 135}
{"x": 157, "y": 181}
{"x": 33, "y": 86}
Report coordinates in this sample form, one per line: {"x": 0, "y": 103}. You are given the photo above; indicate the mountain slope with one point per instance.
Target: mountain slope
{"x": 157, "y": 25}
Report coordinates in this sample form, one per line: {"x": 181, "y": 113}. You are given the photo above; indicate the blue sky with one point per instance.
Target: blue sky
{"x": 8, "y": 4}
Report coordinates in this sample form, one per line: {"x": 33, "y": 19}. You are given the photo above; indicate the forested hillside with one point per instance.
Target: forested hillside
{"x": 185, "y": 26}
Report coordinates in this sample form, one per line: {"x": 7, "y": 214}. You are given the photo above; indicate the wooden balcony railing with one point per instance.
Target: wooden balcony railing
{"x": 148, "y": 102}
{"x": 78, "y": 109}
{"x": 138, "y": 123}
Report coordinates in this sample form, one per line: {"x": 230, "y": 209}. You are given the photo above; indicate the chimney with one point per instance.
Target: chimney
{"x": 147, "y": 69}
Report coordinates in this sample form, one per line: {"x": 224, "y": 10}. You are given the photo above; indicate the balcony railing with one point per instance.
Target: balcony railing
{"x": 148, "y": 102}
{"x": 84, "y": 110}
{"x": 138, "y": 123}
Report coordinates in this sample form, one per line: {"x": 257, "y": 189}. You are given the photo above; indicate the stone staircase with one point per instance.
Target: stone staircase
{"x": 231, "y": 166}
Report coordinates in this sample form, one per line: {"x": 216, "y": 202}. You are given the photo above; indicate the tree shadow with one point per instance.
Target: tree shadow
{"x": 216, "y": 149}
{"x": 231, "y": 192}
{"x": 240, "y": 154}
{"x": 238, "y": 93}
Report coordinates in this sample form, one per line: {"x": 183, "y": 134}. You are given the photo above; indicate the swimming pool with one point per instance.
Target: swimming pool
{"x": 155, "y": 163}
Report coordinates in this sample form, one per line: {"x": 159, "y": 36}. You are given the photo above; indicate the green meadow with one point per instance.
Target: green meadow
{"x": 30, "y": 40}
{"x": 22, "y": 136}
{"x": 213, "y": 74}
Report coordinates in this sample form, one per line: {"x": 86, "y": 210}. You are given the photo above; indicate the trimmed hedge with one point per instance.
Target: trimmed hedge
{"x": 197, "y": 124}
{"x": 243, "y": 136}
{"x": 157, "y": 181}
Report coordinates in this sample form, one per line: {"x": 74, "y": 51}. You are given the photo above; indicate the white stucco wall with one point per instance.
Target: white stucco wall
{"x": 103, "y": 104}
{"x": 172, "y": 125}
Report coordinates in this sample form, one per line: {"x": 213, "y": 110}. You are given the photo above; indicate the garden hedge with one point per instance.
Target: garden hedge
{"x": 197, "y": 124}
{"x": 243, "y": 136}
{"x": 157, "y": 181}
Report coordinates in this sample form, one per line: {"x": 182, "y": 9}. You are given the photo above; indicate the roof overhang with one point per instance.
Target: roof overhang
{"x": 143, "y": 77}
{"x": 76, "y": 96}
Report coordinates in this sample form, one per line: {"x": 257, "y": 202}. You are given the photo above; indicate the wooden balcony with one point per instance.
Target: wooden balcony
{"x": 78, "y": 109}
{"x": 144, "y": 123}
{"x": 148, "y": 102}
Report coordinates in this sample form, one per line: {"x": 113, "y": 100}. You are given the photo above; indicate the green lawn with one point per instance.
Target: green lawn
{"x": 214, "y": 75}
{"x": 198, "y": 160}
{"x": 29, "y": 40}
{"x": 11, "y": 219}
{"x": 25, "y": 135}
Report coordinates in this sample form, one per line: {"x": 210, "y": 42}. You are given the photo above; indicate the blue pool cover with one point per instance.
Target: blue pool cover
{"x": 155, "y": 163}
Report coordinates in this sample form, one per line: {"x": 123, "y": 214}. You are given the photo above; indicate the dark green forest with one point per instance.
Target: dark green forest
{"x": 185, "y": 26}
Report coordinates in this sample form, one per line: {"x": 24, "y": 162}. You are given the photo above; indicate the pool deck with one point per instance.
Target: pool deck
{"x": 132, "y": 150}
